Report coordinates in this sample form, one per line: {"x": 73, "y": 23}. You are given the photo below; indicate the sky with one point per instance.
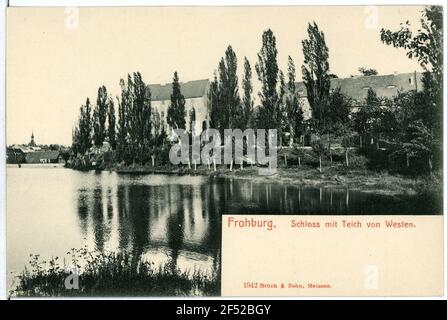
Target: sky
{"x": 57, "y": 57}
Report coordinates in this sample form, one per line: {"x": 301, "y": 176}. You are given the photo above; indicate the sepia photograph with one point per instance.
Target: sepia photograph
{"x": 137, "y": 136}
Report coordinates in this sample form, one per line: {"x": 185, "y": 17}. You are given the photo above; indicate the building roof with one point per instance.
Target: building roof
{"x": 37, "y": 155}
{"x": 23, "y": 148}
{"x": 353, "y": 87}
{"x": 384, "y": 85}
{"x": 191, "y": 89}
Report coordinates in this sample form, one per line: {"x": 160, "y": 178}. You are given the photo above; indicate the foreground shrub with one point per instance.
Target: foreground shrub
{"x": 111, "y": 274}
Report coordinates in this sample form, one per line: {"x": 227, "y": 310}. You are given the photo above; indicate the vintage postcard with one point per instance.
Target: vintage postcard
{"x": 224, "y": 151}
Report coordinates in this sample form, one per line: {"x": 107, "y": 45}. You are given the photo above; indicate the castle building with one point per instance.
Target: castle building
{"x": 195, "y": 93}
{"x": 356, "y": 88}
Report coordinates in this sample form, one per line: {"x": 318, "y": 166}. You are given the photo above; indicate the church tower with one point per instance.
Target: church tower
{"x": 32, "y": 143}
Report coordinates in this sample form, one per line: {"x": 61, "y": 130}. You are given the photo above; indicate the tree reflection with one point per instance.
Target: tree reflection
{"x": 182, "y": 222}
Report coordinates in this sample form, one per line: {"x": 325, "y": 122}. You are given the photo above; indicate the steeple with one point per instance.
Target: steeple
{"x": 32, "y": 143}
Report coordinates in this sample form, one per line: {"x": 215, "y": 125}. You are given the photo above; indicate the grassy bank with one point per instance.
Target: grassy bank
{"x": 299, "y": 167}
{"x": 111, "y": 274}
{"x": 331, "y": 176}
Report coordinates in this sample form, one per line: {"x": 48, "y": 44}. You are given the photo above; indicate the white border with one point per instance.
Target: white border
{"x": 91, "y": 3}
{"x": 94, "y": 3}
{"x": 3, "y": 293}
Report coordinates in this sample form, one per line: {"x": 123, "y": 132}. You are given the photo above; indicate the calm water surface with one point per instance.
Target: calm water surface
{"x": 174, "y": 219}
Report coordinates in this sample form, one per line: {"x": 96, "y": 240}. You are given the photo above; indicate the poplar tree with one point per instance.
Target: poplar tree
{"x": 134, "y": 120}
{"x": 230, "y": 101}
{"x": 82, "y": 135}
{"x": 139, "y": 124}
{"x": 293, "y": 110}
{"x": 86, "y": 128}
{"x": 99, "y": 117}
{"x": 247, "y": 100}
{"x": 316, "y": 75}
{"x": 121, "y": 143}
{"x": 176, "y": 110}
{"x": 192, "y": 119}
{"x": 223, "y": 97}
{"x": 268, "y": 74}
{"x": 213, "y": 103}
{"x": 281, "y": 107}
{"x": 111, "y": 123}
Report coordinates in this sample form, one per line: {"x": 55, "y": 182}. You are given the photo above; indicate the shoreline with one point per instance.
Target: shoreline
{"x": 331, "y": 177}
{"x": 336, "y": 176}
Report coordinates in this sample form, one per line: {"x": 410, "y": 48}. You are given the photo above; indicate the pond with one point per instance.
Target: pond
{"x": 165, "y": 218}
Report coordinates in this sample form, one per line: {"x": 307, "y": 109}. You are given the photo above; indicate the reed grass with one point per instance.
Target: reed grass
{"x": 110, "y": 274}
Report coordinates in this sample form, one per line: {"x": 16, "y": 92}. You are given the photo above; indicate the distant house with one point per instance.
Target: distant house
{"x": 31, "y": 153}
{"x": 357, "y": 88}
{"x": 44, "y": 156}
{"x": 195, "y": 93}
{"x": 17, "y": 153}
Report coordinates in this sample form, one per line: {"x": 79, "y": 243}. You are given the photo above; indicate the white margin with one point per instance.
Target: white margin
{"x": 81, "y": 3}
{"x": 3, "y": 293}
{"x": 94, "y": 3}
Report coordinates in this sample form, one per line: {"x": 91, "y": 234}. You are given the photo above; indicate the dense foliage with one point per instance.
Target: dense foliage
{"x": 401, "y": 133}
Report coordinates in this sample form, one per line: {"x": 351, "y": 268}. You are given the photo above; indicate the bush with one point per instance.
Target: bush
{"x": 377, "y": 159}
{"x": 319, "y": 148}
{"x": 109, "y": 274}
{"x": 358, "y": 161}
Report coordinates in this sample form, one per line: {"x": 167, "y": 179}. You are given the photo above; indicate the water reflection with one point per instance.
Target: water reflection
{"x": 171, "y": 223}
{"x": 177, "y": 220}
{"x": 169, "y": 219}
{"x": 247, "y": 197}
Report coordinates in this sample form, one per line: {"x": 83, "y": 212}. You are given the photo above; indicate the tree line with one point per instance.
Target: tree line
{"x": 139, "y": 132}
{"x": 409, "y": 124}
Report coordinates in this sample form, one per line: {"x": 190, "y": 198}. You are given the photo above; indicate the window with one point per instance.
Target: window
{"x": 411, "y": 80}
